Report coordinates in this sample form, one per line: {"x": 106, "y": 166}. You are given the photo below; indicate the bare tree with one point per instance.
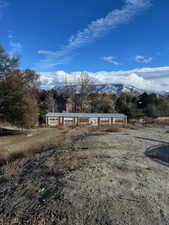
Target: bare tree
{"x": 86, "y": 86}
{"x": 7, "y": 63}
{"x": 102, "y": 104}
{"x": 70, "y": 95}
{"x": 50, "y": 103}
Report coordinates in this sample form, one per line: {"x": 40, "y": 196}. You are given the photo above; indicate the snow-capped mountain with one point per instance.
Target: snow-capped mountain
{"x": 106, "y": 88}
{"x": 164, "y": 92}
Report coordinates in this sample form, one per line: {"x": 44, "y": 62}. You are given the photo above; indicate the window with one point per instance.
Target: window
{"x": 119, "y": 120}
{"x": 68, "y": 121}
{"x": 84, "y": 120}
{"x": 53, "y": 121}
{"x": 104, "y": 120}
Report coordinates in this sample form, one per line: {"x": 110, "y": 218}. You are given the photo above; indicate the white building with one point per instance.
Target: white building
{"x": 95, "y": 119}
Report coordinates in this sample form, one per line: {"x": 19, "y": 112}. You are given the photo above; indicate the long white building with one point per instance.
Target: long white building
{"x": 95, "y": 119}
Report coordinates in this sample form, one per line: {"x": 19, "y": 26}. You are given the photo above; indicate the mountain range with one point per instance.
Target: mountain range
{"x": 106, "y": 88}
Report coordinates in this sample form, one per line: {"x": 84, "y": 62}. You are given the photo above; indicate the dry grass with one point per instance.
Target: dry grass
{"x": 87, "y": 156}
{"x": 67, "y": 161}
{"x": 11, "y": 170}
{"x": 62, "y": 163}
{"x": 13, "y": 147}
{"x": 161, "y": 122}
{"x": 107, "y": 128}
{"x": 113, "y": 129}
{"x": 134, "y": 126}
{"x": 149, "y": 122}
{"x": 158, "y": 122}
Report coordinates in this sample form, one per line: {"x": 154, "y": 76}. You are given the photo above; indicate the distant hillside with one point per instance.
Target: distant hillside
{"x": 107, "y": 88}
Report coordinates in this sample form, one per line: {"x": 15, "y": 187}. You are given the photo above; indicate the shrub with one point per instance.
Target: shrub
{"x": 133, "y": 126}
{"x": 113, "y": 129}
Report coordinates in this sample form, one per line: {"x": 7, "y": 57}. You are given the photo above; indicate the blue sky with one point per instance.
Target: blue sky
{"x": 93, "y": 35}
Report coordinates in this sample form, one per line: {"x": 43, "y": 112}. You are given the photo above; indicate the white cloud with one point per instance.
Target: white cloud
{"x": 96, "y": 29}
{"x": 144, "y": 78}
{"x": 46, "y": 52}
{"x": 10, "y": 36}
{"x": 142, "y": 59}
{"x": 16, "y": 47}
{"x": 138, "y": 2}
{"x": 111, "y": 59}
{"x": 139, "y": 82}
{"x": 113, "y": 19}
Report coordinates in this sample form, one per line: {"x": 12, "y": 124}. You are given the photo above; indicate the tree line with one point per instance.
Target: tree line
{"x": 24, "y": 104}
{"x": 145, "y": 105}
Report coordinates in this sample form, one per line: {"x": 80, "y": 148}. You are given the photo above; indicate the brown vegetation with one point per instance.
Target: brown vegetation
{"x": 113, "y": 129}
{"x": 133, "y": 125}
{"x": 13, "y": 147}
{"x": 67, "y": 161}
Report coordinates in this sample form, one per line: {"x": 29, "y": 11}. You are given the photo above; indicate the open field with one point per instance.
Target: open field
{"x": 14, "y": 146}
{"x": 103, "y": 178}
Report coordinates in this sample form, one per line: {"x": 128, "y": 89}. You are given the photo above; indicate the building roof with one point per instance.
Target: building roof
{"x": 88, "y": 115}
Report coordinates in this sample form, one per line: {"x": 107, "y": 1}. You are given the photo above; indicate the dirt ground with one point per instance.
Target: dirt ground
{"x": 127, "y": 180}
{"x": 101, "y": 179}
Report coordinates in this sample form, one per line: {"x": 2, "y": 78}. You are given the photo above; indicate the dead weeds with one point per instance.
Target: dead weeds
{"x": 18, "y": 147}
{"x": 67, "y": 161}
{"x": 113, "y": 129}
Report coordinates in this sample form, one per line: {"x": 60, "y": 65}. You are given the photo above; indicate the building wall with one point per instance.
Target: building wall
{"x": 93, "y": 121}
{"x": 54, "y": 121}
